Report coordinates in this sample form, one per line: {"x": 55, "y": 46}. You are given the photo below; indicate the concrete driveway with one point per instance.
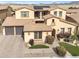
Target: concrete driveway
{"x": 13, "y": 46}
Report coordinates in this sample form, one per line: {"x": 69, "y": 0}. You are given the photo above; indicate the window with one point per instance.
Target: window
{"x": 69, "y": 30}
{"x": 52, "y": 20}
{"x": 62, "y": 30}
{"x": 55, "y": 13}
{"x": 38, "y": 35}
{"x": 24, "y": 13}
{"x": 60, "y": 13}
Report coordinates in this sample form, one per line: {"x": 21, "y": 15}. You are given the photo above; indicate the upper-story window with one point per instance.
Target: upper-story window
{"x": 60, "y": 13}
{"x": 53, "y": 20}
{"x": 24, "y": 13}
{"x": 55, "y": 13}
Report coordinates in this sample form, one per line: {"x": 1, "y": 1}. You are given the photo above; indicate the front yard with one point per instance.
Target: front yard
{"x": 74, "y": 50}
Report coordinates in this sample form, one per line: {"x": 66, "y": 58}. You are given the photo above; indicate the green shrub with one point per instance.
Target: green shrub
{"x": 39, "y": 46}
{"x": 63, "y": 35}
{"x": 78, "y": 36}
{"x": 49, "y": 39}
{"x": 60, "y": 51}
{"x": 74, "y": 37}
{"x": 31, "y": 42}
{"x": 67, "y": 39}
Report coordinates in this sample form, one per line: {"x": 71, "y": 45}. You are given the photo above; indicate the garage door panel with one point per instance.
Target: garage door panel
{"x": 9, "y": 30}
{"x": 19, "y": 30}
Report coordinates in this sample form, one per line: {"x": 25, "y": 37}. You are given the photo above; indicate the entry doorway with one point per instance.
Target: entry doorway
{"x": 53, "y": 32}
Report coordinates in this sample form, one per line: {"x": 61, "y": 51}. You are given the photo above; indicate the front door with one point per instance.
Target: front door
{"x": 53, "y": 32}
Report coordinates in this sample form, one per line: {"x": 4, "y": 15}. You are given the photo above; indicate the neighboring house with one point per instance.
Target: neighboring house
{"x": 5, "y": 11}
{"x": 38, "y": 22}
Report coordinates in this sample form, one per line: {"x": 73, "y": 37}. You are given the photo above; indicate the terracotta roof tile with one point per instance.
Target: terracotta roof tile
{"x": 29, "y": 24}
{"x": 37, "y": 27}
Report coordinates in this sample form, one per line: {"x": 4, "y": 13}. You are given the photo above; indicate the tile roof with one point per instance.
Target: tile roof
{"x": 36, "y": 8}
{"x": 29, "y": 24}
{"x": 24, "y": 7}
{"x": 75, "y": 17}
{"x": 68, "y": 19}
{"x": 37, "y": 27}
{"x": 3, "y": 7}
{"x": 72, "y": 10}
{"x": 12, "y": 21}
{"x": 49, "y": 16}
{"x": 56, "y": 7}
{"x": 16, "y": 7}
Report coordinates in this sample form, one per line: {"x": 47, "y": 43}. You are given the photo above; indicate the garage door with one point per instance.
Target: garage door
{"x": 9, "y": 30}
{"x": 19, "y": 30}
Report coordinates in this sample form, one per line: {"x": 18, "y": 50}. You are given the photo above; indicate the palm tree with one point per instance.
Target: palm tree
{"x": 74, "y": 37}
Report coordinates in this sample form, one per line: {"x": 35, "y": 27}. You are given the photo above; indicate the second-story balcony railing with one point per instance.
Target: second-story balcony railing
{"x": 39, "y": 19}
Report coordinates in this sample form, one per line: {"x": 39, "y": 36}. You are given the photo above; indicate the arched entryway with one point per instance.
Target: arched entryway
{"x": 53, "y": 32}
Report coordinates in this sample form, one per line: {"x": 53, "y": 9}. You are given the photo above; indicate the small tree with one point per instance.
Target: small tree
{"x": 60, "y": 51}
{"x": 74, "y": 38}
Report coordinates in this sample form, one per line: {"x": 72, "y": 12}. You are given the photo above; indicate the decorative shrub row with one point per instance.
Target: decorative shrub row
{"x": 63, "y": 35}
{"x": 39, "y": 46}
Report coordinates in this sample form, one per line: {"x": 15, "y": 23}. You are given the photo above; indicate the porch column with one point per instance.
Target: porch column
{"x": 14, "y": 30}
{"x": 3, "y": 30}
{"x": 40, "y": 14}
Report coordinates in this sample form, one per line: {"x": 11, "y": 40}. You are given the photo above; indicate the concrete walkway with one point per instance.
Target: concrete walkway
{"x": 55, "y": 43}
{"x": 49, "y": 52}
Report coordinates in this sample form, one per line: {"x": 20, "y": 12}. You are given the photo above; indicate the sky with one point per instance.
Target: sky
{"x": 29, "y": 2}
{"x": 35, "y": 1}
{"x": 39, "y": 0}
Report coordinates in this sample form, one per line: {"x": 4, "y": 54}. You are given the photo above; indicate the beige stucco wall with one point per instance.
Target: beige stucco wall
{"x": 58, "y": 25}
{"x": 18, "y": 14}
{"x": 31, "y": 36}
{"x": 63, "y": 13}
{"x": 3, "y": 30}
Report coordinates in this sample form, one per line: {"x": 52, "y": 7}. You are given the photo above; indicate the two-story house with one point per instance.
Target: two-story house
{"x": 38, "y": 22}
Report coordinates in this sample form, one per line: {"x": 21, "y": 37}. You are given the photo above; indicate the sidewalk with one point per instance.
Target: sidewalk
{"x": 48, "y": 52}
